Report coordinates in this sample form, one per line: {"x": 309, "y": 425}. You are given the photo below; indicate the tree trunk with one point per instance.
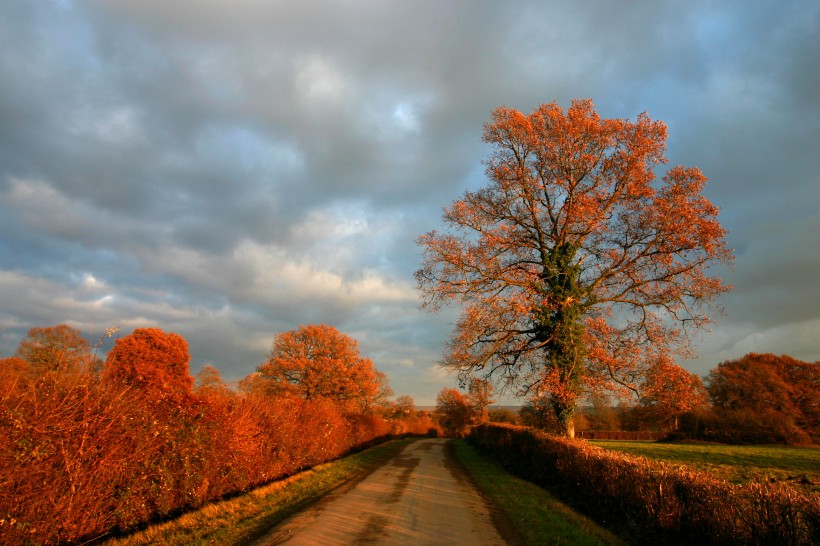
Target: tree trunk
{"x": 569, "y": 431}
{"x": 565, "y": 413}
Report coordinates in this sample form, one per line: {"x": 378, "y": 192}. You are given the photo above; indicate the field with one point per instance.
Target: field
{"x": 798, "y": 466}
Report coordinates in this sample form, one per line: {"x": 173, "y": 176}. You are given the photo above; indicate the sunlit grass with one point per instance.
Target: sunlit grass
{"x": 737, "y": 464}
{"x": 533, "y": 514}
{"x": 237, "y": 520}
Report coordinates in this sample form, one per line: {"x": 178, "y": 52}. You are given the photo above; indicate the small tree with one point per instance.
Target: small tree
{"x": 404, "y": 407}
{"x": 574, "y": 262}
{"x": 480, "y": 395}
{"x": 600, "y": 413}
{"x": 454, "y": 411}
{"x": 669, "y": 391}
{"x": 58, "y": 348}
{"x": 503, "y": 415}
{"x": 151, "y": 360}
{"x": 537, "y": 412}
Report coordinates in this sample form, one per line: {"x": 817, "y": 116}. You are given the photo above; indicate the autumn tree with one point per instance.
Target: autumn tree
{"x": 454, "y": 411}
{"x": 58, "y": 348}
{"x": 781, "y": 387}
{"x": 404, "y": 407}
{"x": 537, "y": 412}
{"x": 150, "y": 360}
{"x": 382, "y": 394}
{"x": 575, "y": 262}
{"x": 318, "y": 361}
{"x": 503, "y": 415}
{"x": 480, "y": 395}
{"x": 599, "y": 412}
{"x": 669, "y": 391}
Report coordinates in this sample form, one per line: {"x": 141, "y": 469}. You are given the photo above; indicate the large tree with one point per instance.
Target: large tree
{"x": 575, "y": 265}
{"x": 320, "y": 361}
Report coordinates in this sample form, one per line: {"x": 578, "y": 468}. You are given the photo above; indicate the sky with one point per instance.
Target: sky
{"x": 232, "y": 170}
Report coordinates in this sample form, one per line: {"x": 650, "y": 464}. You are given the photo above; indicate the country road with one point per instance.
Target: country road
{"x": 419, "y": 497}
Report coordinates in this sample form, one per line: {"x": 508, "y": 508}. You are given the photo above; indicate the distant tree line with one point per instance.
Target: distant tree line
{"x": 756, "y": 399}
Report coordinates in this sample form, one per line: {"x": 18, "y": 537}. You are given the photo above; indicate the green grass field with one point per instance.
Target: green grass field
{"x": 737, "y": 464}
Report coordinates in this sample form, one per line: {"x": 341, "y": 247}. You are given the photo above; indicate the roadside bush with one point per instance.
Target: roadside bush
{"x": 420, "y": 424}
{"x": 656, "y": 496}
{"x": 82, "y": 457}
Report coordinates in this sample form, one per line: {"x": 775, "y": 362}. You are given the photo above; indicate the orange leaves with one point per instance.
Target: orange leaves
{"x": 55, "y": 348}
{"x": 319, "y": 361}
{"x": 670, "y": 391}
{"x": 150, "y": 359}
{"x": 454, "y": 411}
{"x": 672, "y": 504}
{"x": 784, "y": 387}
{"x": 573, "y": 225}
{"x": 81, "y": 457}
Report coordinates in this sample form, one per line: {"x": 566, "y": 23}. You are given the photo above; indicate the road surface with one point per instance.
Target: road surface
{"x": 419, "y": 497}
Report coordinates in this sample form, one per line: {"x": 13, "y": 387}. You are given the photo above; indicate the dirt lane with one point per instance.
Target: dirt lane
{"x": 418, "y": 497}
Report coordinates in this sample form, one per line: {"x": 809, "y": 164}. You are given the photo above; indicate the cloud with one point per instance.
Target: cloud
{"x": 229, "y": 172}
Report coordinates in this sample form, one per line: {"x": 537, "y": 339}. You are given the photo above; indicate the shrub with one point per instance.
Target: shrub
{"x": 81, "y": 456}
{"x": 655, "y": 495}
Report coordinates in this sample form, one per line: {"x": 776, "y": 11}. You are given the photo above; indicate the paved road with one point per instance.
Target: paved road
{"x": 419, "y": 497}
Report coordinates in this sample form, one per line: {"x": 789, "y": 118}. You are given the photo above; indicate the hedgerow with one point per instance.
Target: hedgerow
{"x": 664, "y": 500}
{"x": 81, "y": 457}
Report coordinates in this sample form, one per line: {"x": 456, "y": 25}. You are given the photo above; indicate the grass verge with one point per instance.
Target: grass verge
{"x": 797, "y": 466}
{"x": 532, "y": 513}
{"x": 241, "y": 519}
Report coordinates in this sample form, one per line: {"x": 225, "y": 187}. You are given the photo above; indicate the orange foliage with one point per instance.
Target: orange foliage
{"x": 771, "y": 388}
{"x": 669, "y": 504}
{"x": 54, "y": 348}
{"x": 575, "y": 266}
{"x": 86, "y": 454}
{"x": 454, "y": 411}
{"x": 670, "y": 391}
{"x": 150, "y": 359}
{"x": 318, "y": 361}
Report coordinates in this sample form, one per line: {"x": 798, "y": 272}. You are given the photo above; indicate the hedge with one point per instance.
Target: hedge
{"x": 80, "y": 458}
{"x": 664, "y": 500}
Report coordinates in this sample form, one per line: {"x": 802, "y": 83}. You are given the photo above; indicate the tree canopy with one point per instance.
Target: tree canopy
{"x": 454, "y": 411}
{"x": 670, "y": 391}
{"x": 320, "y": 361}
{"x": 781, "y": 386}
{"x": 151, "y": 359}
{"x": 59, "y": 348}
{"x": 575, "y": 266}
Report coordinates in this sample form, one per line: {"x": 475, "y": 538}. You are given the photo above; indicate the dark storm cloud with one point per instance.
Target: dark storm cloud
{"x": 229, "y": 171}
